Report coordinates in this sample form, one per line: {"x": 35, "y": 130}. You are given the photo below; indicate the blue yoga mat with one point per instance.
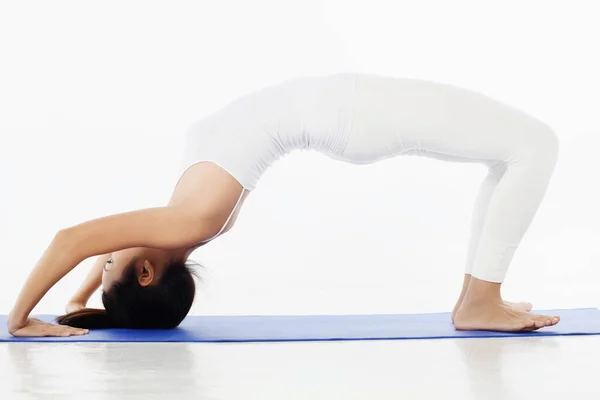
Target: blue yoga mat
{"x": 585, "y": 321}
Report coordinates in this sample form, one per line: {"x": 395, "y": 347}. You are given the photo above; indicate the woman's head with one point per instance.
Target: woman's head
{"x": 148, "y": 264}
{"x": 138, "y": 294}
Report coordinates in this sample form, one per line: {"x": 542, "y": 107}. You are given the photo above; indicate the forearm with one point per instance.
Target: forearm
{"x": 55, "y": 263}
{"x": 92, "y": 281}
{"x": 163, "y": 228}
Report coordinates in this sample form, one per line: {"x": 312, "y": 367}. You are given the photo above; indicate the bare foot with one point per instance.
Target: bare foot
{"x": 467, "y": 280}
{"x": 465, "y": 287}
{"x": 499, "y": 317}
{"x": 482, "y": 308}
{"x": 523, "y": 307}
{"x": 519, "y": 306}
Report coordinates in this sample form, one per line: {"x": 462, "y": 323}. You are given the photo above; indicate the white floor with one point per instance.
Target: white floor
{"x": 512, "y": 369}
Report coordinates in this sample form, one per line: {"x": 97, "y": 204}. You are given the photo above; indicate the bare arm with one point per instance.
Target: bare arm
{"x": 92, "y": 282}
{"x": 169, "y": 227}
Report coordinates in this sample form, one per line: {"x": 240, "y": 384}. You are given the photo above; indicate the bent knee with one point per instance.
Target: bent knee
{"x": 541, "y": 144}
{"x": 549, "y": 143}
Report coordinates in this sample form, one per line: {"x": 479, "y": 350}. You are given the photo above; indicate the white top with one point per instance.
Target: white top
{"x": 366, "y": 118}
{"x": 250, "y": 134}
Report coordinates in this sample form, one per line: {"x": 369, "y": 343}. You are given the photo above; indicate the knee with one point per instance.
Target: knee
{"x": 550, "y": 144}
{"x": 541, "y": 145}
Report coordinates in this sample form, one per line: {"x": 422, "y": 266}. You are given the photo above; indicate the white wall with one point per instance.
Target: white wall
{"x": 95, "y": 97}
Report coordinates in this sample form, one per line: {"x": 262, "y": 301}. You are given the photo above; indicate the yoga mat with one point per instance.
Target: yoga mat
{"x": 584, "y": 321}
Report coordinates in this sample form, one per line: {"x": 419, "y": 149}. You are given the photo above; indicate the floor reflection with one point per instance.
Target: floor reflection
{"x": 124, "y": 368}
{"x": 496, "y": 368}
{"x": 465, "y": 369}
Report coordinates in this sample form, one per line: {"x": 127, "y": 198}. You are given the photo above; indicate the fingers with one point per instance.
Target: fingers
{"x": 36, "y": 328}
{"x": 77, "y": 331}
{"x": 63, "y": 331}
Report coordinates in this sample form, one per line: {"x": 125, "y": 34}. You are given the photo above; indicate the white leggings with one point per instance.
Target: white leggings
{"x": 365, "y": 118}
{"x": 453, "y": 124}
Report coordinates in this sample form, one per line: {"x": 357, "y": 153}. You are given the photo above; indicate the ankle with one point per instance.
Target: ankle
{"x": 483, "y": 292}
{"x": 466, "y": 282}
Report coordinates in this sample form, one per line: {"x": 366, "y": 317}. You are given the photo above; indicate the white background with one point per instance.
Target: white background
{"x": 95, "y": 98}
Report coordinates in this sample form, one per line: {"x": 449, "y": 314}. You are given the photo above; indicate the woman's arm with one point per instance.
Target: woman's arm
{"x": 92, "y": 282}
{"x": 170, "y": 227}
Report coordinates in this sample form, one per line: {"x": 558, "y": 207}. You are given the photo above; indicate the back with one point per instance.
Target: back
{"x": 251, "y": 133}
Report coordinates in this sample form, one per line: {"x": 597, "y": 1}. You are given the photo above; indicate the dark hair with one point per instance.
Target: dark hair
{"x": 127, "y": 304}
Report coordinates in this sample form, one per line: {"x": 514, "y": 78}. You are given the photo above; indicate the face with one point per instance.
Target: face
{"x": 148, "y": 265}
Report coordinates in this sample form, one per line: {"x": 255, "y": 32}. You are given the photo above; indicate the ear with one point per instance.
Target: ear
{"x": 146, "y": 273}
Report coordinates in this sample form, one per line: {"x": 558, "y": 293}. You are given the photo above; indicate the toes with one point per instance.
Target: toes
{"x": 553, "y": 320}
{"x": 528, "y": 326}
{"x": 540, "y": 323}
{"x": 535, "y": 317}
{"x": 546, "y": 320}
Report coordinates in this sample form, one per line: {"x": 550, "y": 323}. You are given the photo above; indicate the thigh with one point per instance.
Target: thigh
{"x": 404, "y": 116}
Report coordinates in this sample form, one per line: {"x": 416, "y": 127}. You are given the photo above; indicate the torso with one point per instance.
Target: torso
{"x": 248, "y": 135}
{"x": 349, "y": 117}
{"x": 233, "y": 147}
{"x": 210, "y": 189}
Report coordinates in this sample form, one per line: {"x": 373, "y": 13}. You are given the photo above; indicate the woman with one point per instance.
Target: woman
{"x": 350, "y": 117}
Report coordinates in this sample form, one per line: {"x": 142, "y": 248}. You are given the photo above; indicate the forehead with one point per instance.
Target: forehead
{"x": 126, "y": 256}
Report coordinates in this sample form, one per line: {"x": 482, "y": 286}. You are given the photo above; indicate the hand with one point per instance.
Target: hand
{"x": 35, "y": 327}
{"x": 74, "y": 305}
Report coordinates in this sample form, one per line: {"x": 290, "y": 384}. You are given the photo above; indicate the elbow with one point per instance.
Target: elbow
{"x": 65, "y": 241}
{"x": 63, "y": 236}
